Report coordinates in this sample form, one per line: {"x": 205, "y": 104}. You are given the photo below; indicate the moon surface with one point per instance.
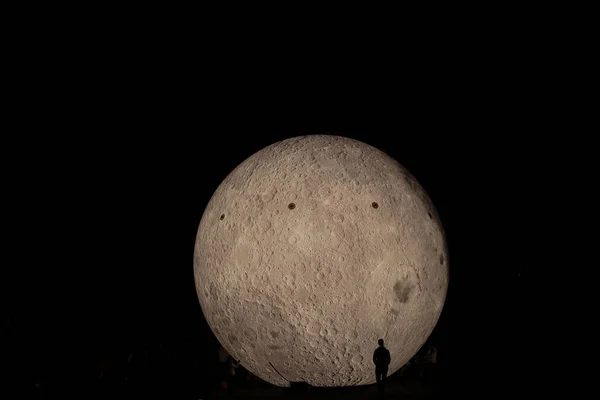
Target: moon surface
{"x": 311, "y": 250}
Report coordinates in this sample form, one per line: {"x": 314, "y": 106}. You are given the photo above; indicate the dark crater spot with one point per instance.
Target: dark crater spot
{"x": 430, "y": 216}
{"x": 291, "y": 206}
{"x": 375, "y": 205}
{"x": 442, "y": 259}
{"x": 402, "y": 290}
{"x": 222, "y": 217}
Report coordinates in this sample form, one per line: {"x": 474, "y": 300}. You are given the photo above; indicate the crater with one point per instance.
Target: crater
{"x": 222, "y": 217}
{"x": 250, "y": 334}
{"x": 375, "y": 205}
{"x": 293, "y": 239}
{"x": 402, "y": 291}
{"x": 273, "y": 334}
{"x": 442, "y": 259}
{"x": 269, "y": 194}
{"x": 291, "y": 206}
{"x": 357, "y": 359}
{"x": 352, "y": 335}
{"x": 232, "y": 339}
{"x": 337, "y": 277}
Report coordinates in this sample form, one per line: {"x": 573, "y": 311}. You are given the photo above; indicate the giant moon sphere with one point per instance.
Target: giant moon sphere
{"x": 311, "y": 250}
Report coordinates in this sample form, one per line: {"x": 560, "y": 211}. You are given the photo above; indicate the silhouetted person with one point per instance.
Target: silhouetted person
{"x": 381, "y": 359}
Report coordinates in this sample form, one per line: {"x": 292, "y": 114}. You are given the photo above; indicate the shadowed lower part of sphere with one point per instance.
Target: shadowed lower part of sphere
{"x": 313, "y": 249}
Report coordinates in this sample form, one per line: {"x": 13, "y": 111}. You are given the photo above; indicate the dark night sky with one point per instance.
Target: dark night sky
{"x": 115, "y": 138}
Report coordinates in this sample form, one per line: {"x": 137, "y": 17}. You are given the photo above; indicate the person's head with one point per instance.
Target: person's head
{"x": 380, "y": 341}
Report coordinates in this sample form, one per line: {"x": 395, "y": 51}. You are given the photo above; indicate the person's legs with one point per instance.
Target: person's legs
{"x": 379, "y": 377}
